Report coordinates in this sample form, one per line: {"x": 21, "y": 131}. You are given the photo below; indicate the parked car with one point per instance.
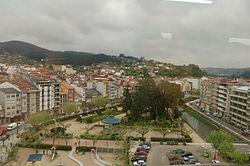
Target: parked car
{"x": 139, "y": 163}
{"x": 12, "y": 126}
{"x": 142, "y": 149}
{"x": 139, "y": 157}
{"x": 20, "y": 123}
{"x": 147, "y": 147}
{"x": 186, "y": 154}
{"x": 208, "y": 113}
{"x": 215, "y": 161}
{"x": 180, "y": 151}
{"x": 146, "y": 143}
{"x": 245, "y": 133}
{"x": 193, "y": 161}
{"x": 185, "y": 158}
{"x": 3, "y": 131}
{"x": 141, "y": 153}
{"x": 215, "y": 114}
{"x": 176, "y": 161}
{"x": 191, "y": 157}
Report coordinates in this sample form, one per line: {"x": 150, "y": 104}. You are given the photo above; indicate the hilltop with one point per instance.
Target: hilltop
{"x": 57, "y": 57}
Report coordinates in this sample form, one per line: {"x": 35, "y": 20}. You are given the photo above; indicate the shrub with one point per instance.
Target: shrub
{"x": 137, "y": 138}
{"x": 89, "y": 120}
{"x": 84, "y": 148}
{"x": 159, "y": 139}
{"x": 78, "y": 119}
{"x": 47, "y": 146}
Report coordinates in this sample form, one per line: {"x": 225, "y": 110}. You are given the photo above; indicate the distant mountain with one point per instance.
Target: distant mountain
{"x": 58, "y": 57}
{"x": 227, "y": 71}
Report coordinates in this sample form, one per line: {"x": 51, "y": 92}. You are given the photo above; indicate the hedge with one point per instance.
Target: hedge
{"x": 159, "y": 139}
{"x": 137, "y": 138}
{"x": 84, "y": 148}
{"x": 47, "y": 146}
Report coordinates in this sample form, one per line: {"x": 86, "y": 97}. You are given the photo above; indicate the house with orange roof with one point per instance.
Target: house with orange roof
{"x": 67, "y": 93}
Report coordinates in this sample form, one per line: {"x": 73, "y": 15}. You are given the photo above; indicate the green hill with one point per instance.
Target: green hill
{"x": 67, "y": 57}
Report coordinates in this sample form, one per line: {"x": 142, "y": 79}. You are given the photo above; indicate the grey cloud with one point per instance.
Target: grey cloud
{"x": 200, "y": 32}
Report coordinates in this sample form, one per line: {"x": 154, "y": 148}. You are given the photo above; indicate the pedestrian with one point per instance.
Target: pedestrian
{"x": 43, "y": 152}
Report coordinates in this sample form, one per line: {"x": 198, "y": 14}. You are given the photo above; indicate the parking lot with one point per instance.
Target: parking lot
{"x": 158, "y": 154}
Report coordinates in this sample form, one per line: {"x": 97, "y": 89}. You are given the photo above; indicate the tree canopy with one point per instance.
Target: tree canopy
{"x": 70, "y": 108}
{"x": 217, "y": 137}
{"x": 156, "y": 100}
{"x": 38, "y": 120}
{"x": 99, "y": 102}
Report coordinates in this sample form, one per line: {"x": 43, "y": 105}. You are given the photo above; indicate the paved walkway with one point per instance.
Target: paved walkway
{"x": 83, "y": 142}
{"x": 73, "y": 158}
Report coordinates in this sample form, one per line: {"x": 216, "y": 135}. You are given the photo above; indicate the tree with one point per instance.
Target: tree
{"x": 99, "y": 102}
{"x": 38, "y": 120}
{"x": 157, "y": 100}
{"x": 125, "y": 144}
{"x": 127, "y": 102}
{"x": 142, "y": 131}
{"x": 164, "y": 131}
{"x": 63, "y": 134}
{"x": 217, "y": 137}
{"x": 226, "y": 148}
{"x": 239, "y": 157}
{"x": 70, "y": 108}
{"x": 31, "y": 138}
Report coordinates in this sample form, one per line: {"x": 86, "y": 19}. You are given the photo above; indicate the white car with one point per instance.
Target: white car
{"x": 20, "y": 123}
{"x": 190, "y": 157}
{"x": 139, "y": 163}
{"x": 12, "y": 126}
{"x": 215, "y": 161}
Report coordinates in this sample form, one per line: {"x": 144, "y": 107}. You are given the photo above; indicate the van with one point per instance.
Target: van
{"x": 12, "y": 126}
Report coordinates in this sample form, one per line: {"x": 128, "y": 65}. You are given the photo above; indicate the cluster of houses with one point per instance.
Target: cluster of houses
{"x": 227, "y": 99}
{"x": 27, "y": 89}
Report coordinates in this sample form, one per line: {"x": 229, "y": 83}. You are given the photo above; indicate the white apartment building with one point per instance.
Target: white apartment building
{"x": 10, "y": 99}
{"x": 239, "y": 106}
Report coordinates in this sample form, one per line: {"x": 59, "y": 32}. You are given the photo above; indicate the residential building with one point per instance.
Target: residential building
{"x": 208, "y": 95}
{"x": 223, "y": 99}
{"x": 67, "y": 93}
{"x": 239, "y": 106}
{"x": 10, "y": 99}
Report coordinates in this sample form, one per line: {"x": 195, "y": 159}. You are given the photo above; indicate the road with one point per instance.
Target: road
{"x": 7, "y": 144}
{"x": 233, "y": 129}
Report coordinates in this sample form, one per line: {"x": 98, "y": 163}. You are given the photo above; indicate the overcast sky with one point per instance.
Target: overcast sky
{"x": 175, "y": 32}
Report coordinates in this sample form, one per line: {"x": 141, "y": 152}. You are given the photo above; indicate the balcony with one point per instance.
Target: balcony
{"x": 222, "y": 96}
{"x": 239, "y": 109}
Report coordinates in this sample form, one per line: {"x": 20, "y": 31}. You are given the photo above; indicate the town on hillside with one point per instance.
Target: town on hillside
{"x": 137, "y": 113}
